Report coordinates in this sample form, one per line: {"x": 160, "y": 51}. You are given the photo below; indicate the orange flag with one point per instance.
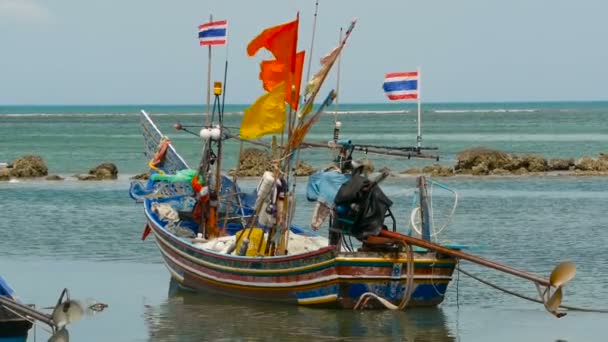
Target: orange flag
{"x": 281, "y": 41}
{"x": 274, "y": 72}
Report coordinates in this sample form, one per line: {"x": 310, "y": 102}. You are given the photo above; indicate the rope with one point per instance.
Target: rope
{"x": 572, "y": 308}
{"x": 364, "y": 298}
{"x": 449, "y": 217}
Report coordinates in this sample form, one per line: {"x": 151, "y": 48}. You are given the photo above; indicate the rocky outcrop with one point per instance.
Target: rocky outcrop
{"x": 4, "y": 174}
{"x": 482, "y": 160}
{"x": 102, "y": 171}
{"x": 592, "y": 164}
{"x": 437, "y": 170}
{"x": 411, "y": 171}
{"x": 29, "y": 166}
{"x": 54, "y": 178}
{"x": 304, "y": 169}
{"x": 254, "y": 162}
{"x": 560, "y": 164}
{"x": 141, "y": 176}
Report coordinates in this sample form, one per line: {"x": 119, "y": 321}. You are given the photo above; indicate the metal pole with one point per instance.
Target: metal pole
{"x": 338, "y": 79}
{"x": 424, "y": 209}
{"x": 209, "y": 81}
{"x": 419, "y": 137}
{"x": 27, "y": 311}
{"x": 312, "y": 41}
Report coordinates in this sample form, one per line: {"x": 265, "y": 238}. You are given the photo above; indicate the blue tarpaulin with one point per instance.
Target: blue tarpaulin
{"x": 324, "y": 185}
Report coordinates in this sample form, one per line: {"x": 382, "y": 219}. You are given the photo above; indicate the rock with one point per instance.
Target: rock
{"x": 587, "y": 164}
{"x": 491, "y": 159}
{"x": 304, "y": 169}
{"x": 412, "y": 170}
{"x": 560, "y": 164}
{"x": 141, "y": 176}
{"x": 105, "y": 171}
{"x": 515, "y": 163}
{"x": 28, "y": 167}
{"x": 603, "y": 156}
{"x": 521, "y": 171}
{"x": 5, "y": 174}
{"x": 253, "y": 162}
{"x": 54, "y": 178}
{"x": 86, "y": 177}
{"x": 437, "y": 170}
{"x": 535, "y": 163}
{"x": 480, "y": 169}
{"x": 500, "y": 172}
{"x": 100, "y": 172}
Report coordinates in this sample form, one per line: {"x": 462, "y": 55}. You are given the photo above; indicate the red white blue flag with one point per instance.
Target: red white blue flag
{"x": 213, "y": 33}
{"x": 401, "y": 85}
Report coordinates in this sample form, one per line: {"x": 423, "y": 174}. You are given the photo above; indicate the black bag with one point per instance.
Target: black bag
{"x": 361, "y": 207}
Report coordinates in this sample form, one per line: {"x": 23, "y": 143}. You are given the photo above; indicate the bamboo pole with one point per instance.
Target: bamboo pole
{"x": 465, "y": 256}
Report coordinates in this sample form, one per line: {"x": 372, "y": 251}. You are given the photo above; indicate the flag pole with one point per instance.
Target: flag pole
{"x": 209, "y": 81}
{"x": 419, "y": 137}
{"x": 336, "y": 100}
{"x": 312, "y": 42}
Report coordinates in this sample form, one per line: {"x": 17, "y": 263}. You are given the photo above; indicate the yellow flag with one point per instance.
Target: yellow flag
{"x": 266, "y": 115}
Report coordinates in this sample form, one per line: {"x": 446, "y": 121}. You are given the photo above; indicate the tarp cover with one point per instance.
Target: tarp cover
{"x": 324, "y": 185}
{"x": 367, "y": 216}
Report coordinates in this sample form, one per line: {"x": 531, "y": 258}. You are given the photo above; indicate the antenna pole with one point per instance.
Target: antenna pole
{"x": 312, "y": 41}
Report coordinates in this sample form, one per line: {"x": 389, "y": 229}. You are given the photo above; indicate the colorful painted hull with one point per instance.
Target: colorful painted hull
{"x": 325, "y": 277}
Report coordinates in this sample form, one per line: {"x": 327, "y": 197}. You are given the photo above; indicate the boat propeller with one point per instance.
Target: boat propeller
{"x": 561, "y": 274}
{"x": 69, "y": 311}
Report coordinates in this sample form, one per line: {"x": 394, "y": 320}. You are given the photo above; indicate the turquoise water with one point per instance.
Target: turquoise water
{"x": 75, "y": 138}
{"x": 86, "y": 235}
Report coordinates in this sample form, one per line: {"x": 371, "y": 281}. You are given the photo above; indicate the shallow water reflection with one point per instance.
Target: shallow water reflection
{"x": 187, "y": 316}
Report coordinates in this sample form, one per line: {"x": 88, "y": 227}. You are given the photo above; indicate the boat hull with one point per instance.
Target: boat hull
{"x": 12, "y": 327}
{"x": 325, "y": 277}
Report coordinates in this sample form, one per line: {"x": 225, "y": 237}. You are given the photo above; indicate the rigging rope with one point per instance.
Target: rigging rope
{"x": 364, "y": 298}
{"x": 568, "y": 307}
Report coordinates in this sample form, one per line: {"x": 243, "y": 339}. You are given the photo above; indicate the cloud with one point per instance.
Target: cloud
{"x": 23, "y": 11}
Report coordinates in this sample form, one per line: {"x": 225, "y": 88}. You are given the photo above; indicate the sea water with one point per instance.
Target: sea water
{"x": 86, "y": 236}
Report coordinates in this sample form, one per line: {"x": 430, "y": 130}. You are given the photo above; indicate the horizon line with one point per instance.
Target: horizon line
{"x": 344, "y": 104}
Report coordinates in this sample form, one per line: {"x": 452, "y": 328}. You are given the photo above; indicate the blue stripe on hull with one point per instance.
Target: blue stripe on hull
{"x": 13, "y": 339}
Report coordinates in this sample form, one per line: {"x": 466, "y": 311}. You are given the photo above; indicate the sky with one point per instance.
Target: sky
{"x": 146, "y": 51}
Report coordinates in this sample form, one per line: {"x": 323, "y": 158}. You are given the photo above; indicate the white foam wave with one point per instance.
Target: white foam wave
{"x": 499, "y": 110}
{"x": 350, "y": 112}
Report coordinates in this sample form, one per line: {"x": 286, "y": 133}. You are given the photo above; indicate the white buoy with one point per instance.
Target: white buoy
{"x": 215, "y": 133}
{"x": 205, "y": 133}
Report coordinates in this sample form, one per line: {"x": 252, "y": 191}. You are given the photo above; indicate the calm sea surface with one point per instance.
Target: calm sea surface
{"x": 86, "y": 235}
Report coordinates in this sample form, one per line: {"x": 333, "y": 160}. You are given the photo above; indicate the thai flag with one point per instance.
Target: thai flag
{"x": 401, "y": 85}
{"x": 213, "y": 33}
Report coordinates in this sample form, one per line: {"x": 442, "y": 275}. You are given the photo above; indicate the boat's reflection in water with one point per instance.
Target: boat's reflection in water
{"x": 187, "y": 316}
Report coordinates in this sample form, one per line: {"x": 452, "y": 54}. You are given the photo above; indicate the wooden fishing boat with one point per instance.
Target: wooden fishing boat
{"x": 327, "y": 276}
{"x": 256, "y": 253}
